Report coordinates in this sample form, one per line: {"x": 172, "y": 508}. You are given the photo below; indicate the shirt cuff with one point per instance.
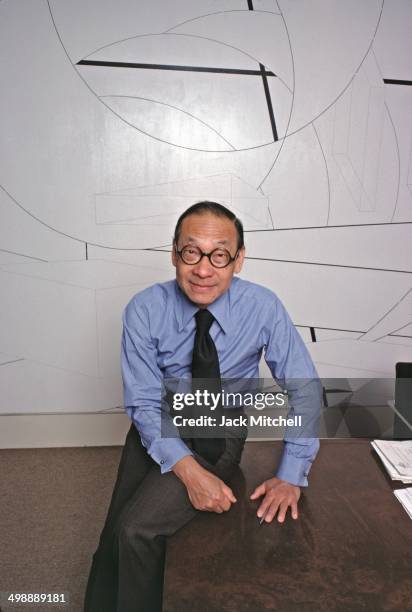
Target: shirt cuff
{"x": 293, "y": 469}
{"x": 167, "y": 452}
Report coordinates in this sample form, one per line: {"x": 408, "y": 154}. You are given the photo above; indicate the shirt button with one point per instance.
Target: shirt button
{"x": 162, "y": 461}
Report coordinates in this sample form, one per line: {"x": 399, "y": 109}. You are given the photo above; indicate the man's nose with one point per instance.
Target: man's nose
{"x": 204, "y": 267}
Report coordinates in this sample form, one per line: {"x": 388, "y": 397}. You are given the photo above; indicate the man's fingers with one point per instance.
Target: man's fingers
{"x": 229, "y": 494}
{"x": 259, "y": 491}
{"x": 264, "y": 507}
{"x": 223, "y": 502}
{"x": 294, "y": 508}
{"x": 279, "y": 496}
{"x": 283, "y": 508}
{"x": 273, "y": 508}
{"x": 225, "y": 505}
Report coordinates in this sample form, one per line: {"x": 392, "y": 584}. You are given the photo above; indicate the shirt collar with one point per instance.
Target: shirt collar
{"x": 220, "y": 309}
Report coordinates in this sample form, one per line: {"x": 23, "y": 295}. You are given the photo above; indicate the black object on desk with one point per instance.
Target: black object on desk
{"x": 403, "y": 400}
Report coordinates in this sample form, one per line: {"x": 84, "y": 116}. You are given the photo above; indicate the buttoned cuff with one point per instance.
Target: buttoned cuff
{"x": 167, "y": 452}
{"x": 294, "y": 470}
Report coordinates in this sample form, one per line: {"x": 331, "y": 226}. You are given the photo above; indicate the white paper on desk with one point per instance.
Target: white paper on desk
{"x": 405, "y": 497}
{"x": 388, "y": 466}
{"x": 399, "y": 454}
{"x": 393, "y": 473}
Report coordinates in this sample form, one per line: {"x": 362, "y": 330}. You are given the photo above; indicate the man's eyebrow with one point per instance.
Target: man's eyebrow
{"x": 191, "y": 239}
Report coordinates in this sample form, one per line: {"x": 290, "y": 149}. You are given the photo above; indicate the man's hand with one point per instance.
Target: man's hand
{"x": 279, "y": 496}
{"x": 206, "y": 491}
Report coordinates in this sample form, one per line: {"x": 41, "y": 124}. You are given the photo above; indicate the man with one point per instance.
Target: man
{"x": 205, "y": 314}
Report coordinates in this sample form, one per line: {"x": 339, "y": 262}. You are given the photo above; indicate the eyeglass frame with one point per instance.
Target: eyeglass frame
{"x": 208, "y": 255}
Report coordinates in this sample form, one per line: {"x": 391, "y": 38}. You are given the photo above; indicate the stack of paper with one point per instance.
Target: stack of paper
{"x": 396, "y": 457}
{"x": 405, "y": 497}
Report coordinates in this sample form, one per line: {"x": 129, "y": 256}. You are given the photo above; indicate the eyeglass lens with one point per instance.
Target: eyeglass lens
{"x": 218, "y": 257}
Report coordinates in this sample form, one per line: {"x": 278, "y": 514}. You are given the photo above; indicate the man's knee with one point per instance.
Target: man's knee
{"x": 134, "y": 533}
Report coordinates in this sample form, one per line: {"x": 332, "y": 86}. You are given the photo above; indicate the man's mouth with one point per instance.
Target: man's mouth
{"x": 201, "y": 287}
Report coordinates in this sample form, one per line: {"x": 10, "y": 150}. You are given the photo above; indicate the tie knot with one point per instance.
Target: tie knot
{"x": 204, "y": 320}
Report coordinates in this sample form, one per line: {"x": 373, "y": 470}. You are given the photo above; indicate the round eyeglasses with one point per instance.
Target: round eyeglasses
{"x": 219, "y": 258}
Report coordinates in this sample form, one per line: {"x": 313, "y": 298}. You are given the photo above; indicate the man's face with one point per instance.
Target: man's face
{"x": 202, "y": 283}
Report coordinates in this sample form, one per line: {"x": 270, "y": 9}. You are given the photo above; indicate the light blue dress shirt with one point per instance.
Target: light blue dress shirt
{"x": 158, "y": 336}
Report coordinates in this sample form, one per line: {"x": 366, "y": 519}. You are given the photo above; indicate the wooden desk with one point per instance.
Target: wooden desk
{"x": 350, "y": 549}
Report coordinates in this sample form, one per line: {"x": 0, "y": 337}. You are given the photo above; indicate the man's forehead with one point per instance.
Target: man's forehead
{"x": 219, "y": 230}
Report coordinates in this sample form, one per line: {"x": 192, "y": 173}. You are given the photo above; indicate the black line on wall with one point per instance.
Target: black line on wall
{"x": 87, "y": 256}
{"x": 270, "y": 213}
{"x": 250, "y": 5}
{"x": 396, "y": 140}
{"x": 23, "y": 255}
{"x": 352, "y": 331}
{"x": 383, "y": 317}
{"x": 399, "y": 336}
{"x": 326, "y": 227}
{"x": 312, "y": 334}
{"x": 399, "y": 329}
{"x": 398, "y": 155}
{"x": 9, "y": 362}
{"x": 205, "y": 69}
{"x": 326, "y": 170}
{"x": 396, "y": 82}
{"x": 269, "y": 102}
{"x": 209, "y": 69}
{"x": 177, "y": 25}
{"x": 307, "y": 263}
{"x": 329, "y": 265}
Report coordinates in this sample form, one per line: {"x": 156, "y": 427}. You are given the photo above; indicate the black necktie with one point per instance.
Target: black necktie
{"x": 205, "y": 365}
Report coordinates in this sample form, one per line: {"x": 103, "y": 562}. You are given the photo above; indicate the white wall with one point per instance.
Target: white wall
{"x": 98, "y": 161}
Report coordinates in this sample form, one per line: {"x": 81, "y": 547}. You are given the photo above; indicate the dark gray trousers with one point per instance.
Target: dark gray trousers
{"x": 146, "y": 507}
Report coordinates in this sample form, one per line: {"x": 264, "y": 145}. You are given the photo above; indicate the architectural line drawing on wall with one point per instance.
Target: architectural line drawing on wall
{"x": 24, "y": 255}
{"x": 329, "y": 265}
{"x": 177, "y": 25}
{"x": 381, "y": 324}
{"x": 181, "y": 110}
{"x": 177, "y": 68}
{"x": 262, "y": 73}
{"x": 164, "y": 201}
{"x": 53, "y": 229}
{"x": 326, "y": 170}
{"x": 111, "y": 195}
{"x": 287, "y": 133}
{"x": 397, "y": 82}
{"x": 399, "y": 161}
{"x": 310, "y": 227}
{"x": 336, "y": 98}
{"x": 4, "y": 363}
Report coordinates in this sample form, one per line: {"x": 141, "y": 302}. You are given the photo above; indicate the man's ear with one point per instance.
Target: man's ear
{"x": 174, "y": 256}
{"x": 239, "y": 260}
